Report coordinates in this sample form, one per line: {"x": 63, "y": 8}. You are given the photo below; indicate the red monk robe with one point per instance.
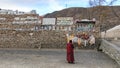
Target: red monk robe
{"x": 70, "y": 52}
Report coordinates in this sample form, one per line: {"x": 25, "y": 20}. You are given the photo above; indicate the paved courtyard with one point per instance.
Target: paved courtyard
{"x": 53, "y": 58}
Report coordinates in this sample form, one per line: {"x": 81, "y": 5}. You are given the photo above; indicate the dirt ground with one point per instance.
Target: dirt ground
{"x": 53, "y": 58}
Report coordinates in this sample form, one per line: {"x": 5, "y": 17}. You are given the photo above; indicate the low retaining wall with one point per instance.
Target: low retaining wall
{"x": 32, "y": 39}
{"x": 35, "y": 39}
{"x": 112, "y": 50}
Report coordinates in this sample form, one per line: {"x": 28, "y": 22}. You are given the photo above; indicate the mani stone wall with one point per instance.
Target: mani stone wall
{"x": 32, "y": 39}
{"x": 112, "y": 50}
{"x": 18, "y": 26}
{"x": 9, "y": 18}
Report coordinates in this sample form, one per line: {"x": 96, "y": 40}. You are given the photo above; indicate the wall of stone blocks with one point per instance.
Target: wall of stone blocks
{"x": 32, "y": 39}
{"x": 19, "y": 26}
{"x": 112, "y": 50}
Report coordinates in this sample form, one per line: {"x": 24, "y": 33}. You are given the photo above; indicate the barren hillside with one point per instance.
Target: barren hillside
{"x": 108, "y": 15}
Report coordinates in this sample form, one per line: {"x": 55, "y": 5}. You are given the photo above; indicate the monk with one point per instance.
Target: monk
{"x": 70, "y": 52}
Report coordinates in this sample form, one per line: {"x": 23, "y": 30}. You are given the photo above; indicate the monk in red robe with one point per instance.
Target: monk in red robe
{"x": 70, "y": 52}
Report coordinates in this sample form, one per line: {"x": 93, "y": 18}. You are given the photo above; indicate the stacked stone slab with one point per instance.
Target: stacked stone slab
{"x": 32, "y": 39}
{"x": 7, "y": 21}
{"x": 17, "y": 35}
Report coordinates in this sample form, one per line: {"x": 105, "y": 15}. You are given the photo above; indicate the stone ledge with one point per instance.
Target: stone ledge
{"x": 111, "y": 49}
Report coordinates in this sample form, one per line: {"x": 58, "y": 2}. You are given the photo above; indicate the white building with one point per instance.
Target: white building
{"x": 26, "y": 20}
{"x": 64, "y": 23}
{"x": 48, "y": 23}
{"x": 5, "y": 11}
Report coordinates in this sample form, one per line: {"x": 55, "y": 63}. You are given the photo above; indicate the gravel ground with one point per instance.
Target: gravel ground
{"x": 53, "y": 58}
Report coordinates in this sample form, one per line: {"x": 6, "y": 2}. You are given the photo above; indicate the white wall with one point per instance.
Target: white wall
{"x": 2, "y": 18}
{"x": 64, "y": 20}
{"x": 48, "y": 21}
{"x": 112, "y": 33}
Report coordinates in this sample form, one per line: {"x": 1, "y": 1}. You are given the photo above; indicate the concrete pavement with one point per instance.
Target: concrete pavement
{"x": 53, "y": 58}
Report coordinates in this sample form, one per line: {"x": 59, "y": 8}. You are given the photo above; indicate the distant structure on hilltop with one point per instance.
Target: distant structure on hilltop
{"x": 7, "y": 11}
{"x": 19, "y": 20}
